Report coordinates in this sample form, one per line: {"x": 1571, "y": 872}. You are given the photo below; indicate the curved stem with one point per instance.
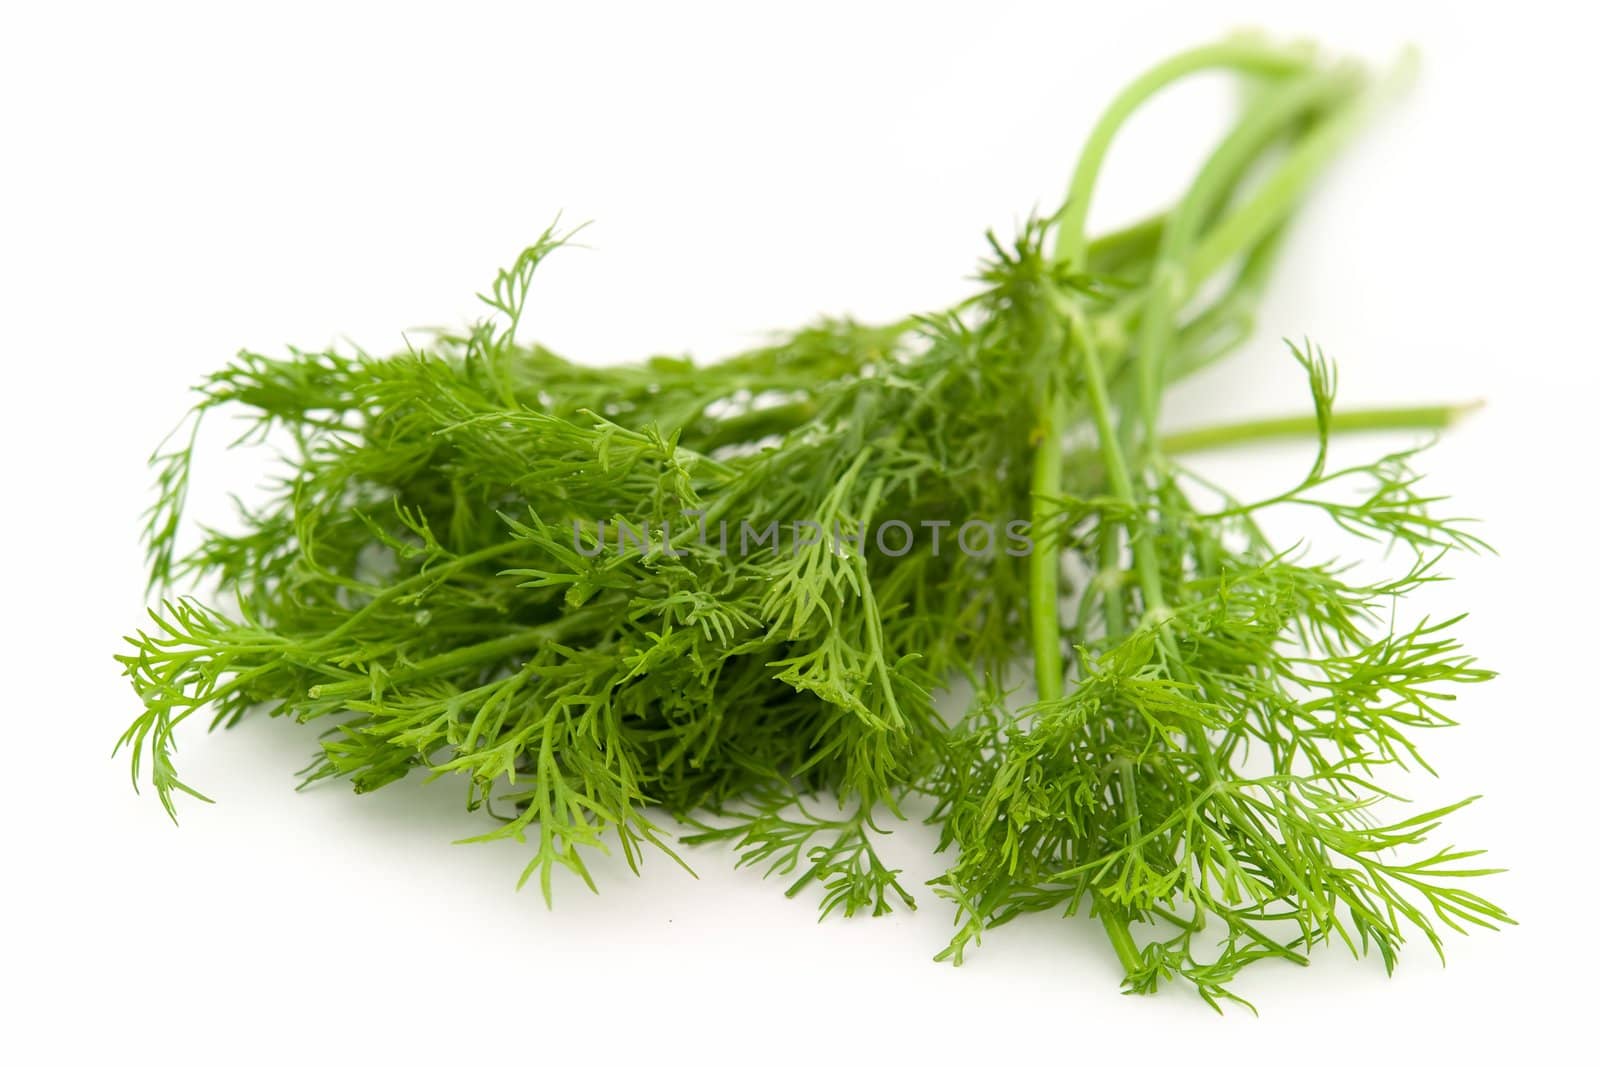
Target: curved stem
{"x": 1175, "y": 275}
{"x": 1261, "y": 125}
{"x": 1242, "y": 55}
{"x": 1276, "y": 197}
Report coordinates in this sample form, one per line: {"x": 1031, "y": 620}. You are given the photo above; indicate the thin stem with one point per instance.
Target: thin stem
{"x": 1279, "y": 194}
{"x": 1121, "y": 937}
{"x": 1242, "y": 55}
{"x": 466, "y": 656}
{"x": 1262, "y": 125}
{"x": 1044, "y": 566}
{"x": 1112, "y": 253}
{"x": 1230, "y": 320}
{"x": 1426, "y": 417}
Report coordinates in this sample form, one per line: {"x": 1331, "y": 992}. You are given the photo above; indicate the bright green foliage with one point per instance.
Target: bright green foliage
{"x": 1199, "y": 764}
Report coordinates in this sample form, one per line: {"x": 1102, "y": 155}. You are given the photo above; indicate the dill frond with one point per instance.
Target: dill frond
{"x": 439, "y": 583}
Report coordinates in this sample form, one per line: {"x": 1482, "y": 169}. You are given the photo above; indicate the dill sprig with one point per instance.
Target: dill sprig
{"x": 432, "y": 583}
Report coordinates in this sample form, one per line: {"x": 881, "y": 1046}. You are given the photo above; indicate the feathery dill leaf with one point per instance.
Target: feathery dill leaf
{"x": 441, "y": 581}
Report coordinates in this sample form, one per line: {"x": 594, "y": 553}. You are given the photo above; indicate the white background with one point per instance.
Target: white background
{"x": 179, "y": 183}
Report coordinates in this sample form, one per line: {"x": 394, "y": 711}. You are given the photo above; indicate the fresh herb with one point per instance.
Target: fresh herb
{"x": 441, "y": 580}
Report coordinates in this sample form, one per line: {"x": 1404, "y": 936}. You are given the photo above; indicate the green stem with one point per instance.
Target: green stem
{"x": 1071, "y": 247}
{"x": 1100, "y": 410}
{"x": 1262, "y": 125}
{"x": 1168, "y": 288}
{"x": 1044, "y": 566}
{"x": 1114, "y": 253}
{"x": 1176, "y": 275}
{"x": 426, "y": 576}
{"x": 1121, "y": 938}
{"x": 467, "y": 656}
{"x": 1242, "y": 55}
{"x": 1229, "y": 321}
{"x": 1426, "y": 417}
{"x": 1279, "y": 194}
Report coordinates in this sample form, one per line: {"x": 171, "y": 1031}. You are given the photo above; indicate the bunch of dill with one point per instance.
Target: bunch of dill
{"x": 482, "y": 560}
